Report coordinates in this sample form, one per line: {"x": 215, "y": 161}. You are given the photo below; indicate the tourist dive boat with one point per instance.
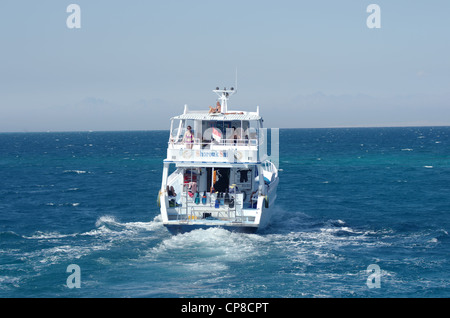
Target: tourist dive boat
{"x": 218, "y": 171}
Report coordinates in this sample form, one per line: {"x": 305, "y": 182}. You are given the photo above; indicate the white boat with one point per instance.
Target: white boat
{"x": 212, "y": 173}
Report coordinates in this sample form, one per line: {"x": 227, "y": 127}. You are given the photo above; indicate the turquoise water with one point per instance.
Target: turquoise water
{"x": 348, "y": 198}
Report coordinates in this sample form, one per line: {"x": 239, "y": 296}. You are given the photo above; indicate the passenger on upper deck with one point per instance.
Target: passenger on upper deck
{"x": 215, "y": 110}
{"x": 235, "y": 135}
{"x": 188, "y": 138}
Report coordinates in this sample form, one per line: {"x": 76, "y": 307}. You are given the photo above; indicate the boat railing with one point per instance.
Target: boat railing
{"x": 270, "y": 167}
{"x": 227, "y": 151}
{"x": 207, "y": 144}
{"x": 190, "y": 211}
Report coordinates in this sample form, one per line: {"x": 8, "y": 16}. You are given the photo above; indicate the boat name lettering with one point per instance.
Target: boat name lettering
{"x": 211, "y": 153}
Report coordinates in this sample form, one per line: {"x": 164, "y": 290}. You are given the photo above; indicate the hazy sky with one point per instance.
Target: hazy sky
{"x": 134, "y": 64}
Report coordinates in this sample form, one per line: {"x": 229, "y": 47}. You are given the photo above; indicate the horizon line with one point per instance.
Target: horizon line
{"x": 146, "y": 130}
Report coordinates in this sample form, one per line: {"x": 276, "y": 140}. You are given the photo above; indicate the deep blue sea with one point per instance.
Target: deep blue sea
{"x": 347, "y": 199}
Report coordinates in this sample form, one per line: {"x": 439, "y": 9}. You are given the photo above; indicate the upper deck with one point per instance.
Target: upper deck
{"x": 220, "y": 137}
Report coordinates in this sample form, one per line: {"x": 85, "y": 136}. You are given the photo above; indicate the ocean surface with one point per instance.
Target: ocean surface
{"x": 347, "y": 199}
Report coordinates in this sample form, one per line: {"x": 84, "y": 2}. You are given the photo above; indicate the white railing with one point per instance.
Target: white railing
{"x": 190, "y": 211}
{"x": 173, "y": 142}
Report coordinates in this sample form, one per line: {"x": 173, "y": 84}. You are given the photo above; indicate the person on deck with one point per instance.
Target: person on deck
{"x": 254, "y": 200}
{"x": 235, "y": 135}
{"x": 171, "y": 191}
{"x": 215, "y": 110}
{"x": 189, "y": 138}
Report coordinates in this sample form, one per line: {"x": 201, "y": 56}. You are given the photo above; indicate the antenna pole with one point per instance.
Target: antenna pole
{"x": 235, "y": 86}
{"x": 224, "y": 95}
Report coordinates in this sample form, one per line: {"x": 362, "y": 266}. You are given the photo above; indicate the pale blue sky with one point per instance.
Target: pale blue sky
{"x": 134, "y": 64}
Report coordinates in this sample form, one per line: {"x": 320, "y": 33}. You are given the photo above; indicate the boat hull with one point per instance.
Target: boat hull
{"x": 179, "y": 228}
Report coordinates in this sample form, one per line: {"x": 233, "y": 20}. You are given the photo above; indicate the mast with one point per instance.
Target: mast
{"x": 224, "y": 95}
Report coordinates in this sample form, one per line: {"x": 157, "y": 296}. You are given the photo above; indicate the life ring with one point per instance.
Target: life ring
{"x": 238, "y": 155}
{"x": 158, "y": 200}
{"x": 187, "y": 153}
